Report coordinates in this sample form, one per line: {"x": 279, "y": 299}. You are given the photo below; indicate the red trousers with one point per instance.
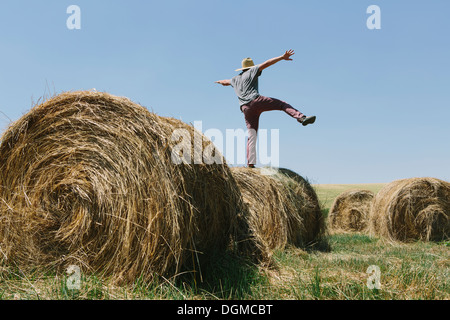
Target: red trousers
{"x": 253, "y": 110}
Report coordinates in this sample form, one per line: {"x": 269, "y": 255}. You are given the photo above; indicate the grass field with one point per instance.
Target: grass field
{"x": 335, "y": 269}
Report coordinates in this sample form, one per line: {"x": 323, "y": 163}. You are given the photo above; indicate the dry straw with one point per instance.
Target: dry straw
{"x": 412, "y": 209}
{"x": 350, "y": 211}
{"x": 283, "y": 210}
{"x": 87, "y": 178}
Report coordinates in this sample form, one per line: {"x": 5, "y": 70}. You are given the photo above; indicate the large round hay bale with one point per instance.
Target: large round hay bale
{"x": 350, "y": 210}
{"x": 89, "y": 179}
{"x": 281, "y": 210}
{"x": 412, "y": 209}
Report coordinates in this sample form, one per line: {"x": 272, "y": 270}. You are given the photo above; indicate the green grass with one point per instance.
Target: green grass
{"x": 337, "y": 270}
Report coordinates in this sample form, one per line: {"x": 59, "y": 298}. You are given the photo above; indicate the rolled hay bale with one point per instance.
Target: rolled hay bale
{"x": 89, "y": 179}
{"x": 412, "y": 209}
{"x": 282, "y": 210}
{"x": 316, "y": 218}
{"x": 350, "y": 211}
{"x": 310, "y": 193}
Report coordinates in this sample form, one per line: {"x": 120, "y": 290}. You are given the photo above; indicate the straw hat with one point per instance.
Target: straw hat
{"x": 246, "y": 64}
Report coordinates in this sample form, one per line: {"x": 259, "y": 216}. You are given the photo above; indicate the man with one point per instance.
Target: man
{"x": 253, "y": 104}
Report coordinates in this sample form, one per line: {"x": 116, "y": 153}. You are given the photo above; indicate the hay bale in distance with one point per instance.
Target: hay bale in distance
{"x": 412, "y": 209}
{"x": 281, "y": 211}
{"x": 350, "y": 210}
{"x": 87, "y": 179}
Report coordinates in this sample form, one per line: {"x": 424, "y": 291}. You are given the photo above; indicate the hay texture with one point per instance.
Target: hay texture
{"x": 412, "y": 209}
{"x": 88, "y": 178}
{"x": 282, "y": 211}
{"x": 350, "y": 211}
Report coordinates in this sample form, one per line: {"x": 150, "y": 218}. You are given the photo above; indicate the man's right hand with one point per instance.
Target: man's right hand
{"x": 287, "y": 55}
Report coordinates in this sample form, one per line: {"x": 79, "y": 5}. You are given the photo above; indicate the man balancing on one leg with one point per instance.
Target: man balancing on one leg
{"x": 253, "y": 104}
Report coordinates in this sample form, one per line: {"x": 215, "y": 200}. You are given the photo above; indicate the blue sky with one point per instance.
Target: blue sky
{"x": 381, "y": 97}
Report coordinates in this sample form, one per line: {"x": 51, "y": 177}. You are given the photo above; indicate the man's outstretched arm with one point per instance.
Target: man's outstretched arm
{"x": 286, "y": 56}
{"x": 224, "y": 82}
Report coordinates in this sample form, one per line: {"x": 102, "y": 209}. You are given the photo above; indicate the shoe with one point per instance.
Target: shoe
{"x": 251, "y": 166}
{"x": 307, "y": 120}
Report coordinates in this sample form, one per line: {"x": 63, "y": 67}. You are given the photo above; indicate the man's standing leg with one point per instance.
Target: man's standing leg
{"x": 252, "y": 123}
{"x": 251, "y": 146}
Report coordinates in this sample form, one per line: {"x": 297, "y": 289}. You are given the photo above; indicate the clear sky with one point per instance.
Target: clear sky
{"x": 381, "y": 97}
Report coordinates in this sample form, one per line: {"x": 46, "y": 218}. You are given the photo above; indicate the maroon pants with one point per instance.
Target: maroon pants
{"x": 253, "y": 110}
